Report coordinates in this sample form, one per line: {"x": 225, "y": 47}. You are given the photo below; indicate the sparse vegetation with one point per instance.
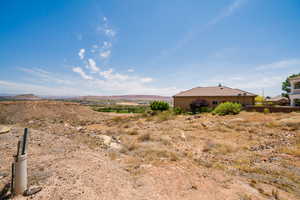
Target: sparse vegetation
{"x": 266, "y": 110}
{"x": 122, "y": 109}
{"x": 178, "y": 111}
{"x": 228, "y": 108}
{"x": 260, "y": 150}
{"x": 159, "y": 106}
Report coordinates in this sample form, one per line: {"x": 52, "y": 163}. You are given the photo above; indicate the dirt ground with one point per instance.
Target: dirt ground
{"x": 76, "y": 153}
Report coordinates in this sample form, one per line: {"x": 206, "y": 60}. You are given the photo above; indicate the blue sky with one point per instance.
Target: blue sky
{"x": 97, "y": 47}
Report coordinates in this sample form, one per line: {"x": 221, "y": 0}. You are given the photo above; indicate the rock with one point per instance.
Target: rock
{"x": 4, "y": 130}
{"x": 236, "y": 120}
{"x": 115, "y": 146}
{"x": 3, "y": 175}
{"x": 80, "y": 129}
{"x": 32, "y": 191}
{"x": 182, "y": 136}
{"x": 106, "y": 139}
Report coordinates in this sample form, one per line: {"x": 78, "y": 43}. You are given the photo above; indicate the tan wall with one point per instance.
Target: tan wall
{"x": 184, "y": 102}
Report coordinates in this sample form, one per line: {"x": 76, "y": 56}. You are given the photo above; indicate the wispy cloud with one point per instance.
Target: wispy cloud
{"x": 81, "y": 53}
{"x": 105, "y": 54}
{"x": 107, "y": 82}
{"x": 146, "y": 80}
{"x": 228, "y": 11}
{"x": 280, "y": 64}
{"x": 92, "y": 65}
{"x": 130, "y": 70}
{"x": 88, "y": 78}
{"x": 21, "y": 87}
{"x": 82, "y": 73}
{"x": 43, "y": 75}
{"x": 191, "y": 34}
{"x": 107, "y": 29}
{"x": 262, "y": 77}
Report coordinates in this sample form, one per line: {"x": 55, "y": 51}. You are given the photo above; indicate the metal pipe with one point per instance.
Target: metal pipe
{"x": 20, "y": 182}
{"x": 24, "y": 141}
{"x": 12, "y": 179}
{"x": 18, "y": 150}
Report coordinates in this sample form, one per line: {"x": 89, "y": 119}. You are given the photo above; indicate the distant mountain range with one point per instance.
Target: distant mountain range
{"x": 125, "y": 97}
{"x": 20, "y": 97}
{"x": 88, "y": 98}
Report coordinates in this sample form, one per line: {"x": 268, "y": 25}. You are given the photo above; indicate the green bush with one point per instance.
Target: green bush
{"x": 228, "y": 108}
{"x": 159, "y": 105}
{"x": 266, "y": 110}
{"x": 177, "y": 111}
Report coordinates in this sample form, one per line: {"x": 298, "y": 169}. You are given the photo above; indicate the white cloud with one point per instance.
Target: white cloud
{"x": 146, "y": 80}
{"x": 106, "y": 45}
{"x": 82, "y": 73}
{"x": 81, "y": 53}
{"x": 105, "y": 54}
{"x": 109, "y": 75}
{"x": 280, "y": 64}
{"x": 44, "y": 76}
{"x": 109, "y": 32}
{"x": 23, "y": 88}
{"x": 228, "y": 11}
{"x": 130, "y": 70}
{"x": 92, "y": 65}
{"x": 104, "y": 19}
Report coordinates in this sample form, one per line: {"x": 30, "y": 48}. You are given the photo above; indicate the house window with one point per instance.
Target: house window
{"x": 297, "y": 85}
{"x": 215, "y": 102}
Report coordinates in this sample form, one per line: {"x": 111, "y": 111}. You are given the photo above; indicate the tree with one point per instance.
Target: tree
{"x": 286, "y": 86}
{"x": 259, "y": 100}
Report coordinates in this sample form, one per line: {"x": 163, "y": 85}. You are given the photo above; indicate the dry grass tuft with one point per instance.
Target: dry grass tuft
{"x": 144, "y": 138}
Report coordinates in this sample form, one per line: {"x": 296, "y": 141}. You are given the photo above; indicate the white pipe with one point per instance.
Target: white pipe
{"x": 20, "y": 183}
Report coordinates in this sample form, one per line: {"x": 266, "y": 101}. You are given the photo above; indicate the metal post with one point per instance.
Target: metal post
{"x": 20, "y": 183}
{"x": 20, "y": 167}
{"x": 12, "y": 179}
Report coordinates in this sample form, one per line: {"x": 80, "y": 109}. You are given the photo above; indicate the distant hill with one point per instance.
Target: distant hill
{"x": 20, "y": 97}
{"x": 26, "y": 97}
{"x": 126, "y": 97}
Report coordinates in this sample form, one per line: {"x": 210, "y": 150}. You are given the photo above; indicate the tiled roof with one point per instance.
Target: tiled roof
{"x": 213, "y": 91}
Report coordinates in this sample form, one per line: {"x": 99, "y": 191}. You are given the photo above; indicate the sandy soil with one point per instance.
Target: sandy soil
{"x": 76, "y": 153}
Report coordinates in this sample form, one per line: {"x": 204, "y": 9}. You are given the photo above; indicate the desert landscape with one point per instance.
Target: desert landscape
{"x": 78, "y": 153}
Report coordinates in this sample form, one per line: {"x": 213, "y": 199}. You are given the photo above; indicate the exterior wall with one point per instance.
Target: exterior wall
{"x": 184, "y": 102}
{"x": 293, "y": 98}
{"x": 272, "y": 109}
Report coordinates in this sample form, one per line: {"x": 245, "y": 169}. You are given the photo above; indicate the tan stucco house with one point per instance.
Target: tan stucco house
{"x": 212, "y": 96}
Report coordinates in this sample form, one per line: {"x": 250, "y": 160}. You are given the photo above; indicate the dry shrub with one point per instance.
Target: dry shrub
{"x": 133, "y": 146}
{"x": 145, "y": 137}
{"x": 218, "y": 148}
{"x": 164, "y": 116}
{"x": 166, "y": 140}
{"x": 132, "y": 132}
{"x": 294, "y": 151}
{"x": 156, "y": 154}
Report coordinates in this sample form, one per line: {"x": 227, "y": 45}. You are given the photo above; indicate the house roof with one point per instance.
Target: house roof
{"x": 278, "y": 98}
{"x": 213, "y": 91}
{"x": 294, "y": 78}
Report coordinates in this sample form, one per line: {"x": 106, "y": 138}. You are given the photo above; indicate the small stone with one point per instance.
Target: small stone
{"x": 106, "y": 139}
{"x": 4, "y": 130}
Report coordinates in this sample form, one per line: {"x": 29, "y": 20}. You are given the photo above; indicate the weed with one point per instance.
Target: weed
{"x": 132, "y": 132}
{"x": 145, "y": 137}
